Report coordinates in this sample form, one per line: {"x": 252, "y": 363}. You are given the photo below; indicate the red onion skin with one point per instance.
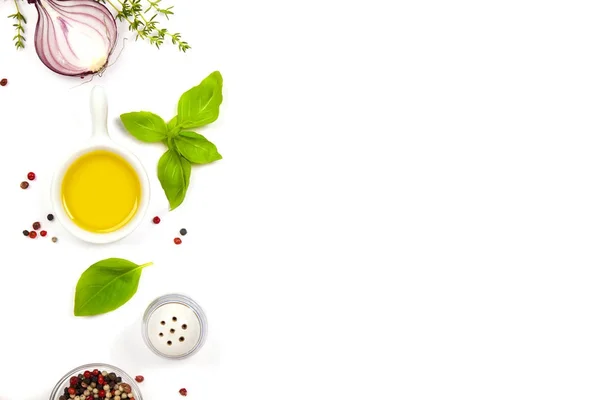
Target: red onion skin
{"x": 45, "y": 31}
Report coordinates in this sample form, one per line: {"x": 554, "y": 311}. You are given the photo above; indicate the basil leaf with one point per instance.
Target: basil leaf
{"x": 145, "y": 126}
{"x": 172, "y": 124}
{"x": 196, "y": 148}
{"x": 199, "y": 106}
{"x": 174, "y": 175}
{"x": 106, "y": 286}
{"x": 172, "y": 130}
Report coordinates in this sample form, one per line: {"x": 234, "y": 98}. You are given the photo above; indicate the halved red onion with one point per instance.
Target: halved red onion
{"x": 74, "y": 37}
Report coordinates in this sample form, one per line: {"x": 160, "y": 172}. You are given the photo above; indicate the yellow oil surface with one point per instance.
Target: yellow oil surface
{"x": 101, "y": 192}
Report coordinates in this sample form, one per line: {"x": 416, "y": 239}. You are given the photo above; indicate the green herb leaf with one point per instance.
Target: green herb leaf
{"x": 145, "y": 126}
{"x": 196, "y": 148}
{"x": 106, "y": 286}
{"x": 172, "y": 125}
{"x": 173, "y": 130}
{"x": 199, "y": 106}
{"x": 19, "y": 26}
{"x": 174, "y": 175}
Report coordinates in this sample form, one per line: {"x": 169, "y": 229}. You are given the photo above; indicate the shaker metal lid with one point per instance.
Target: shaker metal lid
{"x": 174, "y": 326}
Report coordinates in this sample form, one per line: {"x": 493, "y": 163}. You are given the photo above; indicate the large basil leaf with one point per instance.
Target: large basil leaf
{"x": 174, "y": 175}
{"x": 106, "y": 286}
{"x": 145, "y": 126}
{"x": 199, "y": 106}
{"x": 196, "y": 148}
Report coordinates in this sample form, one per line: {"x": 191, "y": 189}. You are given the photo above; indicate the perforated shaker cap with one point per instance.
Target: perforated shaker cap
{"x": 174, "y": 326}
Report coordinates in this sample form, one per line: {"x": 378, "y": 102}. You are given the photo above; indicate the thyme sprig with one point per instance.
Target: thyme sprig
{"x": 20, "y": 21}
{"x": 143, "y": 21}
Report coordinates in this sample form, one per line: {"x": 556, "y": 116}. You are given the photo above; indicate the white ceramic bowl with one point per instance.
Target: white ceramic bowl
{"x": 100, "y": 141}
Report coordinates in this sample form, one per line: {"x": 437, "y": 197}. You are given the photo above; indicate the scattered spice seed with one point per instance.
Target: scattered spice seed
{"x": 50, "y": 217}
{"x": 177, "y": 240}
{"x": 139, "y": 379}
{"x": 183, "y": 392}
{"x": 43, "y": 233}
{"x": 24, "y": 185}
{"x": 183, "y": 232}
{"x": 3, "y": 82}
{"x": 54, "y": 239}
{"x": 25, "y": 232}
{"x": 37, "y": 225}
{"x": 33, "y": 234}
{"x": 156, "y": 220}
{"x": 31, "y": 176}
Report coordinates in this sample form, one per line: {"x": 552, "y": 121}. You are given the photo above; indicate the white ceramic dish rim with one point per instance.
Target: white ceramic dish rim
{"x": 100, "y": 141}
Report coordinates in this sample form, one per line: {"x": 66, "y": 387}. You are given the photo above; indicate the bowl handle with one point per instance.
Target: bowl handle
{"x": 99, "y": 109}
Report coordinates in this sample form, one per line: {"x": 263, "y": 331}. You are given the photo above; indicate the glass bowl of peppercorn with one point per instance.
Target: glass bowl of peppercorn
{"x": 96, "y": 382}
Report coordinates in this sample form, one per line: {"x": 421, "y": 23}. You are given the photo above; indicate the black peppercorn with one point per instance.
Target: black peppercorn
{"x": 62, "y": 398}
{"x": 25, "y": 233}
{"x": 112, "y": 376}
{"x": 183, "y": 232}
{"x": 119, "y": 380}
{"x": 50, "y": 217}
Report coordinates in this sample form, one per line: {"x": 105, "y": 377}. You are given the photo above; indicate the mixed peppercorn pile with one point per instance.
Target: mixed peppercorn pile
{"x": 97, "y": 385}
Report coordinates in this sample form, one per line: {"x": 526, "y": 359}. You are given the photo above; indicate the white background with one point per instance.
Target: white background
{"x": 408, "y": 206}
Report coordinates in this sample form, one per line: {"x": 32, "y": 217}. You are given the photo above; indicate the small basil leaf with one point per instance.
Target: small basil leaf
{"x": 199, "y": 106}
{"x": 172, "y": 131}
{"x": 196, "y": 148}
{"x": 106, "y": 286}
{"x": 145, "y": 126}
{"x": 172, "y": 124}
{"x": 174, "y": 175}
